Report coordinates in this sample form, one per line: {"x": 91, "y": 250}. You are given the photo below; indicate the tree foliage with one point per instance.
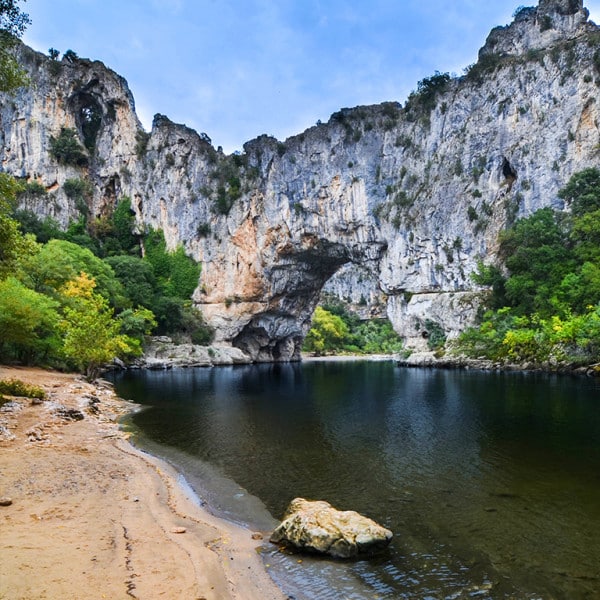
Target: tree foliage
{"x": 27, "y": 323}
{"x": 91, "y": 336}
{"x": 327, "y": 334}
{"x": 67, "y": 149}
{"x": 60, "y": 261}
{"x": 60, "y": 303}
{"x": 13, "y": 22}
{"x": 177, "y": 274}
{"x": 547, "y": 306}
{"x": 12, "y": 19}
{"x": 336, "y": 330}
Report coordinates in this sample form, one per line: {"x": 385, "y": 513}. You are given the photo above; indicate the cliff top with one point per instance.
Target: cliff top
{"x": 535, "y": 28}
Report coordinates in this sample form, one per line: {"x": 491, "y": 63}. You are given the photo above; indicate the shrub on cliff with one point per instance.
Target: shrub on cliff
{"x": 67, "y": 149}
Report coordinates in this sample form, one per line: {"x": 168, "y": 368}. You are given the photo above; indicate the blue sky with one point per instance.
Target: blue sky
{"x": 235, "y": 69}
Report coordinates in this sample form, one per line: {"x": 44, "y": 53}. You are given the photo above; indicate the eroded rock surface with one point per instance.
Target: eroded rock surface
{"x": 403, "y": 199}
{"x": 316, "y": 526}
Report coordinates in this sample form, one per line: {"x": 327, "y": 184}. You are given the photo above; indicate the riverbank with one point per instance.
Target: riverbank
{"x": 91, "y": 516}
{"x": 450, "y": 361}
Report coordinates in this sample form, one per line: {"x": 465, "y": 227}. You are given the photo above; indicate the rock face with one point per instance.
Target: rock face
{"x": 318, "y": 527}
{"x": 162, "y": 353}
{"x": 403, "y": 199}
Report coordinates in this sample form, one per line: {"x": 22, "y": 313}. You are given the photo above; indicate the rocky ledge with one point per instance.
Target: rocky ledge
{"x": 163, "y": 353}
{"x": 430, "y": 360}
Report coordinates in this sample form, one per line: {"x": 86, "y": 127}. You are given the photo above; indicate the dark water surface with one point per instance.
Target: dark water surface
{"x": 490, "y": 481}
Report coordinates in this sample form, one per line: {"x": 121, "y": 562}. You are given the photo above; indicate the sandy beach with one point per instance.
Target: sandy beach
{"x": 92, "y": 517}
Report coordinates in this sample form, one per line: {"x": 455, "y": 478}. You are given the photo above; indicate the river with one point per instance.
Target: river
{"x": 489, "y": 481}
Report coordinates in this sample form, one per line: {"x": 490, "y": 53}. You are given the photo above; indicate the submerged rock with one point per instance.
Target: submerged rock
{"x": 316, "y": 526}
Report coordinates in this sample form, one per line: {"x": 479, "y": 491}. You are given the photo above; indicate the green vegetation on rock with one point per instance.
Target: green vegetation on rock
{"x": 543, "y": 305}
{"x": 67, "y": 149}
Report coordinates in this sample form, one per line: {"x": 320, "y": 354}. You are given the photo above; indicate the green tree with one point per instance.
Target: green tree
{"x": 137, "y": 278}
{"x": 137, "y": 322}
{"x": 60, "y": 261}
{"x": 553, "y": 284}
{"x": 537, "y": 255}
{"x": 123, "y": 223}
{"x": 91, "y": 336}
{"x": 177, "y": 273}
{"x": 14, "y": 246}
{"x": 169, "y": 314}
{"x": 13, "y": 23}
{"x": 328, "y": 333}
{"x": 43, "y": 229}
{"x": 27, "y": 323}
{"x": 582, "y": 192}
{"x": 429, "y": 88}
{"x": 585, "y": 236}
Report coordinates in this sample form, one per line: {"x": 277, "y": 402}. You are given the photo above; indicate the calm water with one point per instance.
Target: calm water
{"x": 490, "y": 482}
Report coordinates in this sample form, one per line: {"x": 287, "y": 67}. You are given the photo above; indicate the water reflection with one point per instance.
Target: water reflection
{"x": 489, "y": 480}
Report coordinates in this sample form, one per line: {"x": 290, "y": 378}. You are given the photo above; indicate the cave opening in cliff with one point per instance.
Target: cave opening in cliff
{"x": 88, "y": 114}
{"x": 508, "y": 171}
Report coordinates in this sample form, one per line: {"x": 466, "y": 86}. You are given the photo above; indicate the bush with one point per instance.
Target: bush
{"x": 195, "y": 326}
{"x": 80, "y": 191}
{"x": 486, "y": 65}
{"x": 33, "y": 189}
{"x": 436, "y": 337}
{"x": 203, "y": 230}
{"x": 429, "y": 88}
{"x": 16, "y": 387}
{"x": 546, "y": 23}
{"x": 67, "y": 149}
{"x": 177, "y": 273}
{"x": 141, "y": 142}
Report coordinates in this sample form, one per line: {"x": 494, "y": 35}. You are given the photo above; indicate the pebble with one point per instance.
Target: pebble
{"x": 5, "y": 501}
{"x": 178, "y": 530}
{"x": 257, "y": 536}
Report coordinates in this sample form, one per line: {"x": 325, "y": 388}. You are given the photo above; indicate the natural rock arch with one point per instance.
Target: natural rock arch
{"x": 277, "y": 333}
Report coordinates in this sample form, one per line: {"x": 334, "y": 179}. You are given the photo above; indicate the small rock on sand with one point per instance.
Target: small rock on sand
{"x": 178, "y": 530}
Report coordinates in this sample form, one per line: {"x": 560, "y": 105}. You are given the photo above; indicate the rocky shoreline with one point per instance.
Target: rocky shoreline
{"x": 163, "y": 353}
{"x": 429, "y": 360}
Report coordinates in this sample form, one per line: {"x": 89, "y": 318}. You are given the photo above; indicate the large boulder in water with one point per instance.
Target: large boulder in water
{"x": 318, "y": 527}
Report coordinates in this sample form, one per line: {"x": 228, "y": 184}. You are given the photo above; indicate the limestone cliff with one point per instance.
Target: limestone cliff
{"x": 410, "y": 196}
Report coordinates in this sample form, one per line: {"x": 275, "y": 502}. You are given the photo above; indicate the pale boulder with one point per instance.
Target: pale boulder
{"x": 316, "y": 526}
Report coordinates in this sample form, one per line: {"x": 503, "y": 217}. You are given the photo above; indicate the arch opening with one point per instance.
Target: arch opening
{"x": 277, "y": 333}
